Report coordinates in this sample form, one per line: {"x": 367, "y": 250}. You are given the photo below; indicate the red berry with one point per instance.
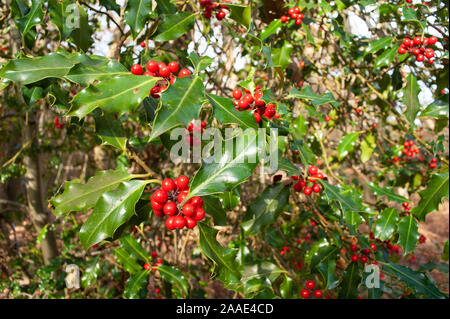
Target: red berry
{"x": 173, "y": 67}
{"x": 422, "y": 239}
{"x": 298, "y": 21}
{"x": 197, "y": 201}
{"x": 312, "y": 170}
{"x": 429, "y": 53}
{"x": 152, "y": 66}
{"x": 304, "y": 293}
{"x": 433, "y": 165}
{"x": 310, "y": 284}
{"x": 164, "y": 72}
{"x": 237, "y": 94}
{"x": 366, "y": 251}
{"x": 170, "y": 208}
{"x": 179, "y": 222}
{"x": 199, "y": 214}
{"x": 307, "y": 190}
{"x": 299, "y": 186}
{"x": 316, "y": 188}
{"x": 284, "y": 19}
{"x": 190, "y": 222}
{"x": 220, "y": 15}
{"x": 142, "y": 44}
{"x": 257, "y": 117}
{"x": 363, "y": 259}
{"x": 432, "y": 40}
{"x": 318, "y": 293}
{"x": 433, "y": 160}
{"x": 170, "y": 222}
{"x": 182, "y": 182}
{"x": 355, "y": 258}
{"x": 158, "y": 213}
{"x": 243, "y": 104}
{"x": 160, "y": 196}
{"x": 168, "y": 185}
{"x": 354, "y": 248}
{"x": 136, "y": 69}
{"x": 95, "y": 246}
{"x": 154, "y": 92}
{"x": 183, "y": 73}
{"x": 188, "y": 210}
{"x": 420, "y": 58}
{"x": 407, "y": 42}
{"x": 417, "y": 40}
{"x": 374, "y": 247}
{"x": 405, "y": 204}
{"x": 147, "y": 266}
{"x": 157, "y": 291}
{"x": 181, "y": 197}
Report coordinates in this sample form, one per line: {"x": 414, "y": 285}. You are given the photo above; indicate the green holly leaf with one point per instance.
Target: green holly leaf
{"x": 58, "y": 16}
{"x": 230, "y": 199}
{"x": 281, "y": 56}
{"x": 408, "y": 233}
{"x": 287, "y": 288}
{"x": 386, "y": 58}
{"x": 136, "y": 286}
{"x": 273, "y": 28}
{"x": 226, "y": 113}
{"x": 260, "y": 277}
{"x": 317, "y": 100}
{"x": 324, "y": 262}
{"x": 174, "y": 276}
{"x": 231, "y": 169}
{"x": 110, "y": 131}
{"x": 288, "y": 167}
{"x": 342, "y": 197}
{"x": 444, "y": 255}
{"x": 411, "y": 98}
{"x": 432, "y": 196}
{"x": 368, "y": 145}
{"x": 199, "y": 63}
{"x": 214, "y": 208}
{"x": 82, "y": 32}
{"x": 112, "y": 210}
{"x": 410, "y": 14}
{"x": 438, "y": 109}
{"x": 386, "y": 191}
{"x": 306, "y": 154}
{"x": 224, "y": 259}
{"x": 136, "y": 15}
{"x": 415, "y": 280}
{"x": 95, "y": 68}
{"x": 90, "y": 274}
{"x": 130, "y": 264}
{"x": 348, "y": 289}
{"x": 240, "y": 14}
{"x": 119, "y": 94}
{"x": 386, "y": 224}
{"x": 347, "y": 144}
{"x": 174, "y": 26}
{"x": 34, "y": 17}
{"x": 165, "y": 7}
{"x": 266, "y": 208}
{"x": 80, "y": 197}
{"x": 377, "y": 45}
{"x": 133, "y": 248}
{"x": 30, "y": 70}
{"x": 299, "y": 127}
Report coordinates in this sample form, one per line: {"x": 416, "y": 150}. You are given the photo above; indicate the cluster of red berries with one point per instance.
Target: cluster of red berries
{"x": 58, "y": 124}
{"x": 310, "y": 284}
{"x": 314, "y": 174}
{"x": 164, "y": 202}
{"x": 197, "y": 128}
{"x": 365, "y": 253}
{"x": 417, "y": 47}
{"x": 249, "y": 102}
{"x": 160, "y": 69}
{"x": 158, "y": 262}
{"x": 410, "y": 152}
{"x": 294, "y": 14}
{"x": 406, "y": 207}
{"x": 285, "y": 250}
{"x": 209, "y": 7}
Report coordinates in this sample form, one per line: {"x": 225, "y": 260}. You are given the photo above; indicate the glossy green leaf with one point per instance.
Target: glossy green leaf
{"x": 417, "y": 281}
{"x": 110, "y": 131}
{"x": 230, "y": 199}
{"x": 368, "y": 145}
{"x": 273, "y": 28}
{"x": 377, "y": 45}
{"x": 344, "y": 199}
{"x": 226, "y": 113}
{"x": 165, "y": 6}
{"x": 281, "y": 56}
{"x": 444, "y": 255}
{"x": 82, "y": 32}
{"x": 136, "y": 15}
{"x": 213, "y": 208}
{"x": 119, "y": 94}
{"x": 411, "y": 98}
{"x": 260, "y": 276}
{"x": 386, "y": 192}
{"x": 347, "y": 144}
{"x": 408, "y": 233}
{"x": 112, "y": 209}
{"x": 299, "y": 127}
{"x": 240, "y": 14}
{"x": 199, "y": 63}
{"x": 174, "y": 26}
{"x": 307, "y": 94}
{"x": 324, "y": 262}
{"x": 431, "y": 197}
{"x": 438, "y": 109}
{"x": 34, "y": 17}
{"x": 181, "y": 104}
{"x": 386, "y": 224}
{"x": 348, "y": 288}
{"x": 230, "y": 170}
{"x": 175, "y": 277}
{"x": 306, "y": 154}
{"x": 59, "y": 15}
{"x": 130, "y": 264}
{"x": 266, "y": 208}
{"x": 287, "y": 288}
{"x": 224, "y": 259}
{"x": 133, "y": 248}
{"x": 136, "y": 286}
{"x": 79, "y": 197}
{"x": 90, "y": 274}
{"x": 29, "y": 70}
{"x": 95, "y": 68}
{"x": 410, "y": 14}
